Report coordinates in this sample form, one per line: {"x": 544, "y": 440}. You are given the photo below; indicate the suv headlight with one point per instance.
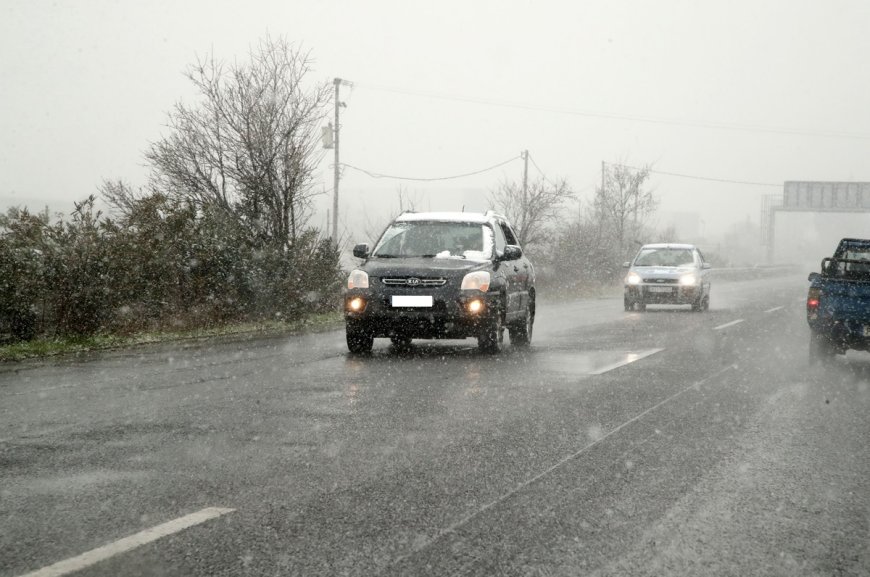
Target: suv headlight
{"x": 358, "y": 279}
{"x": 633, "y": 278}
{"x": 476, "y": 281}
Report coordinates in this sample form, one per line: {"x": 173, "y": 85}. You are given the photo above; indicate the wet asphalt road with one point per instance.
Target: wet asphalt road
{"x": 657, "y": 443}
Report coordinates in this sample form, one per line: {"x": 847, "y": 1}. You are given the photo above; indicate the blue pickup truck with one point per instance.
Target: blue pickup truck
{"x": 838, "y": 301}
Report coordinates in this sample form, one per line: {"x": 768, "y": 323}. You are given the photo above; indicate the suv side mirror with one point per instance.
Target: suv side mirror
{"x": 626, "y": 264}
{"x": 361, "y": 250}
{"x": 706, "y": 266}
{"x": 511, "y": 252}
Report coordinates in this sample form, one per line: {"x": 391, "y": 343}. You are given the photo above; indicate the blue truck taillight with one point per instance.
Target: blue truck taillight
{"x": 814, "y": 297}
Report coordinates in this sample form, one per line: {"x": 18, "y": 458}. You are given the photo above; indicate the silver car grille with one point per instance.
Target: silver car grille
{"x": 414, "y": 282}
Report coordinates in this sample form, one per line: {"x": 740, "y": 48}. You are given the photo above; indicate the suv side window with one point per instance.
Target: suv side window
{"x": 508, "y": 233}
{"x": 500, "y": 241}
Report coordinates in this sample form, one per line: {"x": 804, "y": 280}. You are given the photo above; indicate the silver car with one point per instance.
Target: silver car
{"x": 667, "y": 274}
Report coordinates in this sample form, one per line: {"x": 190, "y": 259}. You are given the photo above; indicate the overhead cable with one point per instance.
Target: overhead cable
{"x": 614, "y": 116}
{"x": 373, "y": 174}
{"x": 707, "y": 178}
{"x": 538, "y": 168}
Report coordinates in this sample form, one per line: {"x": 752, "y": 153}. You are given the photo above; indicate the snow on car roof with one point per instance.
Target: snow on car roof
{"x": 474, "y": 217}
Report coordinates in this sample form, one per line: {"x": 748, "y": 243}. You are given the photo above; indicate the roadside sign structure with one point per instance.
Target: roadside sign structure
{"x": 812, "y": 196}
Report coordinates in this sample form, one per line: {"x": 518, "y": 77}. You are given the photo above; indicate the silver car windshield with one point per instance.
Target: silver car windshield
{"x": 665, "y": 257}
{"x": 436, "y": 239}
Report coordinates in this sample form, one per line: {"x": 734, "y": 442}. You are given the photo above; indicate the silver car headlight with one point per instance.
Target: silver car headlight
{"x": 633, "y": 278}
{"x": 689, "y": 280}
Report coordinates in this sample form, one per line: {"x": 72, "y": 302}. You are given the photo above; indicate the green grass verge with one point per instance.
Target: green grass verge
{"x": 62, "y": 346}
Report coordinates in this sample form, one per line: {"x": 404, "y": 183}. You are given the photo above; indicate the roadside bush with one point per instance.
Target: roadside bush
{"x": 77, "y": 269}
{"x": 22, "y": 272}
{"x": 161, "y": 264}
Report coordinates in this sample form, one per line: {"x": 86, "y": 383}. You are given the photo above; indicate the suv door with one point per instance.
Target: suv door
{"x": 518, "y": 271}
{"x": 504, "y": 269}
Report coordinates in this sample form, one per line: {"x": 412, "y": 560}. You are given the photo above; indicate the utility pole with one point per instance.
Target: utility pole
{"x": 525, "y": 156}
{"x": 336, "y": 167}
{"x": 602, "y": 177}
{"x": 338, "y": 82}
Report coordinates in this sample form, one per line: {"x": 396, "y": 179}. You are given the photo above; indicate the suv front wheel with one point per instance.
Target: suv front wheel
{"x": 521, "y": 332}
{"x": 491, "y": 336}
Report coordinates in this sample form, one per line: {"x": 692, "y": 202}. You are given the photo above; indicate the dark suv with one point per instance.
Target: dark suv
{"x": 441, "y": 275}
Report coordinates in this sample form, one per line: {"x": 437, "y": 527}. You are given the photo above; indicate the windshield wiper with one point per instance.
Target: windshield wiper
{"x": 386, "y": 255}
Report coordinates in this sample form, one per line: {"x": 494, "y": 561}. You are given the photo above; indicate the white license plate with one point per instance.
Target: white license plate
{"x": 412, "y": 301}
{"x": 659, "y": 289}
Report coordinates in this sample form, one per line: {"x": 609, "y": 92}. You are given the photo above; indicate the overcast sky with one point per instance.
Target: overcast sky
{"x": 748, "y": 90}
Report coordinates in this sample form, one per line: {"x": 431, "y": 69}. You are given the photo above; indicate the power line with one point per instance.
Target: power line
{"x": 535, "y": 164}
{"x": 538, "y": 168}
{"x": 614, "y": 116}
{"x": 373, "y": 174}
{"x": 707, "y": 178}
{"x": 725, "y": 180}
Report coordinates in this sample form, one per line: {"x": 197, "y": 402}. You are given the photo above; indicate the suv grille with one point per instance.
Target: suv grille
{"x": 414, "y": 282}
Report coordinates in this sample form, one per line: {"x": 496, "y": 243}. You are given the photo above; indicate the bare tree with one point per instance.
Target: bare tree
{"x": 408, "y": 201}
{"x": 120, "y": 196}
{"x": 252, "y": 142}
{"x": 622, "y": 204}
{"x": 534, "y": 210}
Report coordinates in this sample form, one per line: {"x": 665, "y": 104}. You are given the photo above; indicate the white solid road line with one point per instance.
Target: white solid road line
{"x": 726, "y": 325}
{"x": 629, "y": 358}
{"x": 773, "y": 310}
{"x": 128, "y": 543}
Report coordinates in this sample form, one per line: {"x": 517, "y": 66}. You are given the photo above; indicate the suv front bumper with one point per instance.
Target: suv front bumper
{"x": 447, "y": 318}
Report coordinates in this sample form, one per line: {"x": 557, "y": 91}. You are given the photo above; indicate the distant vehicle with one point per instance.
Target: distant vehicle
{"x": 441, "y": 276}
{"x": 838, "y": 301}
{"x": 672, "y": 274}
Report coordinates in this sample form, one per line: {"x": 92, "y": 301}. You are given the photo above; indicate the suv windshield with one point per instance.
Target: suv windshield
{"x": 664, "y": 257}
{"x": 435, "y": 239}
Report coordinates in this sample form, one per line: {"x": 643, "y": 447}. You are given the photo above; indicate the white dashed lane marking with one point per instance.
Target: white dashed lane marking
{"x": 629, "y": 358}
{"x": 773, "y": 310}
{"x": 726, "y": 325}
{"x": 94, "y": 556}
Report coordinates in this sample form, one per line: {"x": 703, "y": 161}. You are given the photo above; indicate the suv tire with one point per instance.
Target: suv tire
{"x": 521, "y": 332}
{"x": 491, "y": 337}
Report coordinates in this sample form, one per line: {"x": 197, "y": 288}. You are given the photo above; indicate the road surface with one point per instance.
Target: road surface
{"x": 659, "y": 443}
